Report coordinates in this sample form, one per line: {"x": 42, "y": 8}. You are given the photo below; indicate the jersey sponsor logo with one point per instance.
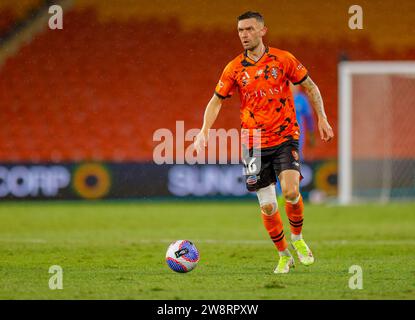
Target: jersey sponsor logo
{"x": 262, "y": 93}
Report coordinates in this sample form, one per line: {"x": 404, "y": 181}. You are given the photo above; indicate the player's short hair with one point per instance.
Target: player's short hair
{"x": 251, "y": 14}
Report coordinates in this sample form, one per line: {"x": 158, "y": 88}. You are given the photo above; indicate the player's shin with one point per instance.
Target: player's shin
{"x": 267, "y": 199}
{"x": 294, "y": 210}
{"x": 273, "y": 224}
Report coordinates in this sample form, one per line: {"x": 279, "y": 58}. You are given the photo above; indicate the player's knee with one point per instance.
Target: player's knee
{"x": 269, "y": 208}
{"x": 290, "y": 194}
{"x": 267, "y": 199}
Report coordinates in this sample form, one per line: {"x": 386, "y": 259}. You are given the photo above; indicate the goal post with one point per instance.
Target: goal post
{"x": 376, "y": 131}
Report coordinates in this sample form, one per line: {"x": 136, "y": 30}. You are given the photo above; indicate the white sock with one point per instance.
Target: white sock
{"x": 286, "y": 252}
{"x": 295, "y": 237}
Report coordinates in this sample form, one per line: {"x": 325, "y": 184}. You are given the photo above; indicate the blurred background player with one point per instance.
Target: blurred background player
{"x": 262, "y": 76}
{"x": 305, "y": 119}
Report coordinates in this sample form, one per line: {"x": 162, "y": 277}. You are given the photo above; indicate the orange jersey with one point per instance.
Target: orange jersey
{"x": 267, "y": 103}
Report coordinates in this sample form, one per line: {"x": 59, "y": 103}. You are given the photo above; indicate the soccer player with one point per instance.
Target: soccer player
{"x": 304, "y": 116}
{"x": 262, "y": 75}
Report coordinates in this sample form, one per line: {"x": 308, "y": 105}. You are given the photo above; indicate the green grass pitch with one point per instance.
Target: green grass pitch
{"x": 115, "y": 250}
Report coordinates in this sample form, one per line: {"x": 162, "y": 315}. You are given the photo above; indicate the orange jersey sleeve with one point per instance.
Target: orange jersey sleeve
{"x": 226, "y": 83}
{"x": 296, "y": 72}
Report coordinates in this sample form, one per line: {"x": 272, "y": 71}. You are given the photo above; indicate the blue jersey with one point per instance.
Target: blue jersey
{"x": 304, "y": 117}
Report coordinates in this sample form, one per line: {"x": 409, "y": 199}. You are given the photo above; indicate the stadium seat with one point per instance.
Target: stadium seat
{"x": 102, "y": 86}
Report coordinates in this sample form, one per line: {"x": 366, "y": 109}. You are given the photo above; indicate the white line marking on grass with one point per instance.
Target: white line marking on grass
{"x": 22, "y": 240}
{"x": 117, "y": 241}
{"x": 320, "y": 242}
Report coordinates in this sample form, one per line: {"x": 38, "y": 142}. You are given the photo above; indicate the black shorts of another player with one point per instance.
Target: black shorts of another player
{"x": 272, "y": 162}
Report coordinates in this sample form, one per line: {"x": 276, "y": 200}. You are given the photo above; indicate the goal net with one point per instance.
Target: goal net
{"x": 376, "y": 131}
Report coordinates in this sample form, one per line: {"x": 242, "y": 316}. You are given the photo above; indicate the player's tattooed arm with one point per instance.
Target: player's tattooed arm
{"x": 313, "y": 94}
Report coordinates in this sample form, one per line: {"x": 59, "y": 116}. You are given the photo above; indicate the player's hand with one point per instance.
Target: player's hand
{"x": 326, "y": 132}
{"x": 201, "y": 140}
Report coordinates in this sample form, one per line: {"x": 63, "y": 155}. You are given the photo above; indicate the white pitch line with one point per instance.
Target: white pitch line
{"x": 320, "y": 242}
{"x": 381, "y": 242}
{"x": 22, "y": 240}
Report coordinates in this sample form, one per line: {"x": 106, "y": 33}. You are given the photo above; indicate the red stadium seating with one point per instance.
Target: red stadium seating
{"x": 98, "y": 91}
{"x": 12, "y": 12}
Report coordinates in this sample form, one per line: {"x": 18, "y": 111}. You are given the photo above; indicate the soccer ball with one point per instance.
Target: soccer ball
{"x": 182, "y": 256}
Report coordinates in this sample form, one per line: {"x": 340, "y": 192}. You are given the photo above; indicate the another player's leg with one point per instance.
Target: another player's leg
{"x": 294, "y": 207}
{"x": 273, "y": 224}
